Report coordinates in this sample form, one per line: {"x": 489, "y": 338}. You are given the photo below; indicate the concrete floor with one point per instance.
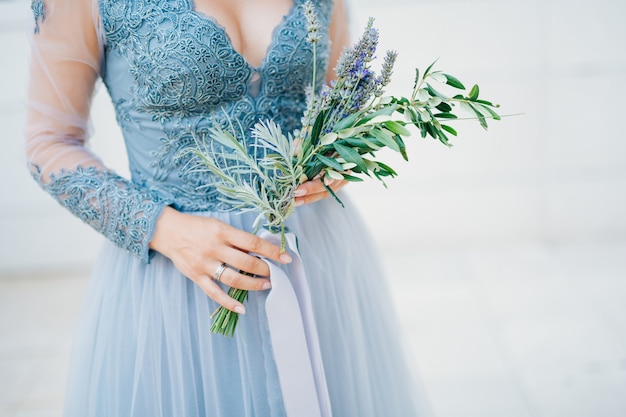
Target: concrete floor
{"x": 523, "y": 331}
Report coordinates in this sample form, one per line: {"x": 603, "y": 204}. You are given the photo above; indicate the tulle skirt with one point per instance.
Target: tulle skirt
{"x": 144, "y": 349}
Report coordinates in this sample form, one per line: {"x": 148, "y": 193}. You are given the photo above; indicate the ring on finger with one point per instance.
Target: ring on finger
{"x": 219, "y": 271}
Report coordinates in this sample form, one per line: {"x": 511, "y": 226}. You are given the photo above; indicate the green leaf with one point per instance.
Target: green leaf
{"x": 329, "y": 162}
{"x": 412, "y": 114}
{"x": 369, "y": 142}
{"x": 422, "y": 94}
{"x": 397, "y": 128}
{"x": 434, "y": 102}
{"x": 467, "y": 108}
{"x": 430, "y": 67}
{"x": 346, "y": 133}
{"x": 439, "y": 77}
{"x": 402, "y": 146}
{"x": 312, "y": 169}
{"x": 454, "y": 82}
{"x": 402, "y": 101}
{"x": 473, "y": 94}
{"x": 423, "y": 130}
{"x": 487, "y": 103}
{"x": 385, "y": 111}
{"x": 443, "y": 138}
{"x": 386, "y": 138}
{"x": 347, "y": 121}
{"x": 357, "y": 143}
{"x": 434, "y": 93}
{"x": 352, "y": 178}
{"x": 432, "y": 131}
{"x": 493, "y": 114}
{"x": 331, "y": 192}
{"x": 330, "y": 173}
{"x": 445, "y": 116}
{"x": 378, "y": 120}
{"x": 317, "y": 127}
{"x": 444, "y": 107}
{"x": 387, "y": 168}
{"x": 424, "y": 115}
{"x": 371, "y": 165}
{"x": 479, "y": 116}
{"x": 417, "y": 78}
{"x": 449, "y": 129}
{"x": 350, "y": 155}
{"x": 328, "y": 138}
{"x": 360, "y": 143}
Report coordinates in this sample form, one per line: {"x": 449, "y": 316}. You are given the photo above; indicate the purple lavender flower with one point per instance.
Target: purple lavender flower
{"x": 312, "y": 22}
{"x": 386, "y": 71}
{"x": 360, "y": 54}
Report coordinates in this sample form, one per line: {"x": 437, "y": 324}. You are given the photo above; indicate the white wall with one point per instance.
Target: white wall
{"x": 554, "y": 174}
{"x": 557, "y": 172}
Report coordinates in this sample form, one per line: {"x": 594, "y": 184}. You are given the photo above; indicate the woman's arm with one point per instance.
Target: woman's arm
{"x": 65, "y": 63}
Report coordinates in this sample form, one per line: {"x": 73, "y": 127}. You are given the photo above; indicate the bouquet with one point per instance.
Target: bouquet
{"x": 344, "y": 125}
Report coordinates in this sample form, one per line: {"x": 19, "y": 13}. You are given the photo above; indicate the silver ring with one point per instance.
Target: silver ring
{"x": 219, "y": 271}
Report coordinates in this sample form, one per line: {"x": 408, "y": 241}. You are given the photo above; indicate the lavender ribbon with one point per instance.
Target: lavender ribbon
{"x": 294, "y": 337}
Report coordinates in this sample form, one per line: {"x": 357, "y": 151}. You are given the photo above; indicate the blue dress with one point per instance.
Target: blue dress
{"x": 143, "y": 346}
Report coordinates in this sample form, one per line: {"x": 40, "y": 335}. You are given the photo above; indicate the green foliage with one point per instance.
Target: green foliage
{"x": 329, "y": 147}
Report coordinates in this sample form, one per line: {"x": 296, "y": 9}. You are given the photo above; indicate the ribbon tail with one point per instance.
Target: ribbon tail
{"x": 294, "y": 338}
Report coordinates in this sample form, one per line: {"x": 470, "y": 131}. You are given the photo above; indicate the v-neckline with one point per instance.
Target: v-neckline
{"x": 217, "y": 25}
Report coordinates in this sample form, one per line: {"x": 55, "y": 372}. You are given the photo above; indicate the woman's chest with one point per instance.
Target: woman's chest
{"x": 179, "y": 60}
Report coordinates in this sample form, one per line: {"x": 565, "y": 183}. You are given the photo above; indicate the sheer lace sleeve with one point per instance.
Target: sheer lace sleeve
{"x": 65, "y": 64}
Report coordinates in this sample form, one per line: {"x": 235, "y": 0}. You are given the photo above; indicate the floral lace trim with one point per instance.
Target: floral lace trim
{"x": 39, "y": 12}
{"x": 113, "y": 206}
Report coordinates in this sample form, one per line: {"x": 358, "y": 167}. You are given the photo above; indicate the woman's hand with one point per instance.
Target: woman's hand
{"x": 199, "y": 245}
{"x": 314, "y": 190}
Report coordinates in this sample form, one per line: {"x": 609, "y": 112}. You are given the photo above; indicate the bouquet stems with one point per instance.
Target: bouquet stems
{"x": 225, "y": 320}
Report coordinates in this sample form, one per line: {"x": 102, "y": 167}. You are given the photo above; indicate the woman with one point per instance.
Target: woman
{"x": 173, "y": 69}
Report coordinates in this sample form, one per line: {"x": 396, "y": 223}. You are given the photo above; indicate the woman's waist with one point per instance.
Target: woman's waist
{"x": 180, "y": 190}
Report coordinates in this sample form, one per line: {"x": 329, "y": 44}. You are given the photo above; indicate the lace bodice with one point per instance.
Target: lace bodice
{"x": 171, "y": 73}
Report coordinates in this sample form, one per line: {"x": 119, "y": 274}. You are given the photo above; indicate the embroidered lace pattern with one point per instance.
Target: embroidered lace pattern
{"x": 186, "y": 76}
{"x": 39, "y": 12}
{"x": 122, "y": 212}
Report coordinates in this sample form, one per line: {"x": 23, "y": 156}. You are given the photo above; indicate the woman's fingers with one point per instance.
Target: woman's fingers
{"x": 251, "y": 243}
{"x": 244, "y": 262}
{"x": 314, "y": 190}
{"x": 198, "y": 246}
{"x": 217, "y": 294}
{"x": 235, "y": 277}
{"x": 231, "y": 277}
